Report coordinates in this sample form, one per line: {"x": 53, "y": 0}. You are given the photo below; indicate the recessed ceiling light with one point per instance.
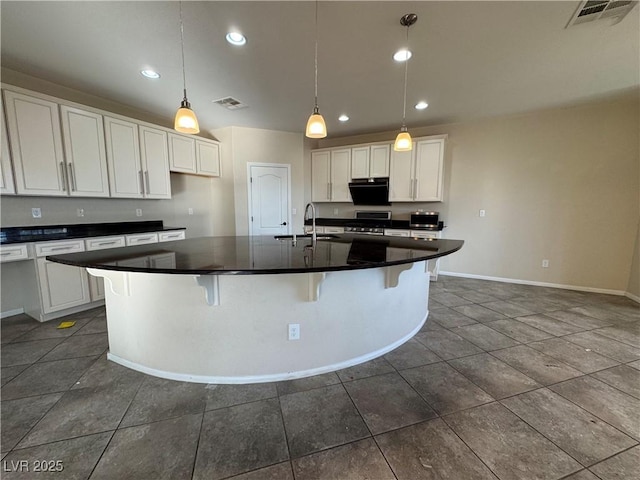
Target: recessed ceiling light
{"x": 236, "y": 38}
{"x": 343, "y": 118}
{"x": 402, "y": 55}
{"x": 421, "y": 105}
{"x": 150, "y": 73}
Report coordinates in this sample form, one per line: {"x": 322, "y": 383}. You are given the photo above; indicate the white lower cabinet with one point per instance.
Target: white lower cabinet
{"x": 61, "y": 286}
{"x": 141, "y": 239}
{"x": 171, "y": 236}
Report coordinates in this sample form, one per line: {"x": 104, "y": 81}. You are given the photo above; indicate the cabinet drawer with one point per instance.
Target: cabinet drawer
{"x": 397, "y": 233}
{"x": 11, "y": 253}
{"x": 142, "y": 239}
{"x": 170, "y": 236}
{"x": 333, "y": 229}
{"x": 55, "y": 248}
{"x": 100, "y": 243}
{"x": 423, "y": 234}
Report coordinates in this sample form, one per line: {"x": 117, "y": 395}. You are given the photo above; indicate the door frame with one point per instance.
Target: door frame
{"x": 249, "y": 199}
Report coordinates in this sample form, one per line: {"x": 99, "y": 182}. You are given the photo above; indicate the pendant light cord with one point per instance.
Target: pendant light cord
{"x": 406, "y": 69}
{"x": 184, "y": 75}
{"x": 316, "y": 60}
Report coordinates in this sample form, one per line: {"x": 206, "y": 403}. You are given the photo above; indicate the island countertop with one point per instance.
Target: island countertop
{"x": 244, "y": 255}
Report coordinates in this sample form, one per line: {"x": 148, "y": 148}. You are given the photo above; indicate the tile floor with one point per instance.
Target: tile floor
{"x": 504, "y": 381}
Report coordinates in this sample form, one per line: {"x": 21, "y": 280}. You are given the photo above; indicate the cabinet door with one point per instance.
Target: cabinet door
{"x": 340, "y": 175}
{"x": 62, "y": 286}
{"x": 320, "y": 164}
{"x": 379, "y": 162}
{"x": 83, "y": 136}
{"x": 401, "y": 176}
{"x": 123, "y": 157}
{"x": 96, "y": 288}
{"x": 154, "y": 155}
{"x": 7, "y": 186}
{"x": 360, "y": 162}
{"x": 208, "y": 158}
{"x": 182, "y": 154}
{"x": 36, "y": 145}
{"x": 429, "y": 170}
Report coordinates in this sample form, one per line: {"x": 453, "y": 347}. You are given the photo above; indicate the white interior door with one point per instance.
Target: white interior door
{"x": 269, "y": 192}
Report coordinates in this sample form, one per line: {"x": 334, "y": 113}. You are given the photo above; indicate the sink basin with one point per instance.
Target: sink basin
{"x": 305, "y": 236}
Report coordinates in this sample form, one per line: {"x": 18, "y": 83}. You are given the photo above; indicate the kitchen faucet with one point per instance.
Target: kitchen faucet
{"x": 313, "y": 220}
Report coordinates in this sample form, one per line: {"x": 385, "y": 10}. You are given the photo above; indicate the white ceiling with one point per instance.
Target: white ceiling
{"x": 472, "y": 59}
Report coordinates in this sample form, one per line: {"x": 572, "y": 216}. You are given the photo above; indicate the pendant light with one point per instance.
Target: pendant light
{"x": 186, "y": 121}
{"x": 316, "y": 128}
{"x": 403, "y": 141}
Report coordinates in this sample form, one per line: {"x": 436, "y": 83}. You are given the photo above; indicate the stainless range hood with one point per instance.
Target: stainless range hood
{"x": 370, "y": 191}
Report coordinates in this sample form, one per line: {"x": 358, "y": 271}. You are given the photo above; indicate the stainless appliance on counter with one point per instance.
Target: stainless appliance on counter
{"x": 369, "y": 223}
{"x": 424, "y": 220}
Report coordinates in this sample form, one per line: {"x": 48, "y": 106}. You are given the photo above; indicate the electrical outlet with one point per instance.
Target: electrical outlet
{"x": 36, "y": 212}
{"x": 191, "y": 211}
{"x": 138, "y": 212}
{"x": 545, "y": 263}
{"x": 483, "y": 213}
{"x": 294, "y": 211}
{"x": 80, "y": 212}
{"x": 294, "y": 331}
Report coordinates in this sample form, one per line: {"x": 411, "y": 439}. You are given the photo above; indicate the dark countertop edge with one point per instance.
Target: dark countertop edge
{"x": 84, "y": 230}
{"x": 268, "y": 271}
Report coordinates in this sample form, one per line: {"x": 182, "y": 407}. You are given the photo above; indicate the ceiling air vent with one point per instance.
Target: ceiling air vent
{"x": 230, "y": 103}
{"x": 591, "y": 10}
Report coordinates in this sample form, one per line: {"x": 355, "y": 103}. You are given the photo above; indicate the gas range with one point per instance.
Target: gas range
{"x": 368, "y": 222}
{"x": 365, "y": 230}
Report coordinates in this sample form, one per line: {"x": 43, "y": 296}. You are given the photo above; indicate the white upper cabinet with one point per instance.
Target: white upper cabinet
{"x": 207, "y": 158}
{"x": 370, "y": 161}
{"x": 182, "y": 153}
{"x": 330, "y": 175}
{"x": 154, "y": 155}
{"x": 418, "y": 175}
{"x": 86, "y": 161}
{"x": 126, "y": 178}
{"x": 7, "y": 185}
{"x": 36, "y": 145}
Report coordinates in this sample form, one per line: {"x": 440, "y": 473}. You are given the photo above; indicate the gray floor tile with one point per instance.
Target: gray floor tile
{"x": 507, "y": 308}
{"x": 602, "y": 312}
{"x": 387, "y": 402}
{"x": 97, "y": 325}
{"x": 411, "y": 354}
{"x": 485, "y": 337}
{"x": 635, "y": 364}
{"x": 449, "y": 299}
{"x": 477, "y": 297}
{"x": 478, "y": 313}
{"x": 606, "y": 346}
{"x": 450, "y": 318}
{"x": 104, "y": 372}
{"x": 622, "y": 377}
{"x": 629, "y": 333}
{"x": 605, "y": 402}
{"x": 79, "y": 346}
{"x": 447, "y": 344}
{"x": 508, "y": 446}
{"x": 578, "y": 357}
{"x": 444, "y": 388}
{"x": 239, "y": 439}
{"x": 583, "y": 436}
{"x": 537, "y": 304}
{"x": 308, "y": 383}
{"x": 519, "y": 331}
{"x": 579, "y": 320}
{"x": 355, "y": 461}
{"x": 623, "y": 466}
{"x": 159, "y": 399}
{"x": 24, "y": 353}
{"x": 76, "y": 457}
{"x": 377, "y": 366}
{"x": 82, "y": 412}
{"x": 430, "y": 450}
{"x": 9, "y": 373}
{"x": 542, "y": 368}
{"x": 494, "y": 376}
{"x": 47, "y": 377}
{"x": 160, "y": 450}
{"x": 549, "y": 325}
{"x": 15, "y": 326}
{"x": 279, "y": 471}
{"x": 500, "y": 292}
{"x": 582, "y": 475}
{"x": 319, "y": 419}
{"x": 19, "y": 416}
{"x": 50, "y": 330}
{"x": 220, "y": 396}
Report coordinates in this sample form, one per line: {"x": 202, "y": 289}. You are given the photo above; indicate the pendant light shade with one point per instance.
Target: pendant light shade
{"x": 316, "y": 128}
{"x": 185, "y": 121}
{"x": 403, "y": 141}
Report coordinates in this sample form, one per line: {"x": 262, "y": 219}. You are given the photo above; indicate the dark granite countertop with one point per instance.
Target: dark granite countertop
{"x": 42, "y": 233}
{"x": 263, "y": 255}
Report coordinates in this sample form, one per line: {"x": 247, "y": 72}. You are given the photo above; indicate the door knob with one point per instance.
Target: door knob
{"x": 283, "y": 223}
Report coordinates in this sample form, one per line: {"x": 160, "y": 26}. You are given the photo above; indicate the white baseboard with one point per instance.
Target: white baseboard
{"x": 11, "y": 313}
{"x": 539, "y": 284}
{"x": 633, "y": 297}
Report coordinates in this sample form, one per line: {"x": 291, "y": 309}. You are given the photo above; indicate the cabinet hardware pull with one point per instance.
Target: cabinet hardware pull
{"x": 107, "y": 243}
{"x": 415, "y": 189}
{"x": 64, "y": 177}
{"x": 72, "y": 177}
{"x": 328, "y": 194}
{"x": 141, "y": 182}
{"x": 4, "y": 254}
{"x": 60, "y": 248}
{"x": 411, "y": 189}
{"x": 146, "y": 177}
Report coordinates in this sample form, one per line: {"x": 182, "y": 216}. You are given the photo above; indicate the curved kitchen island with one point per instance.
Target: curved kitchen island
{"x": 223, "y": 309}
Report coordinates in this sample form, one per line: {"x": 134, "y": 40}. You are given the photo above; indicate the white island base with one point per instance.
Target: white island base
{"x": 235, "y": 328}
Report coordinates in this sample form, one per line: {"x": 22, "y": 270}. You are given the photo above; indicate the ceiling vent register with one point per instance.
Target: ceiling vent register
{"x": 591, "y": 10}
{"x": 230, "y": 103}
